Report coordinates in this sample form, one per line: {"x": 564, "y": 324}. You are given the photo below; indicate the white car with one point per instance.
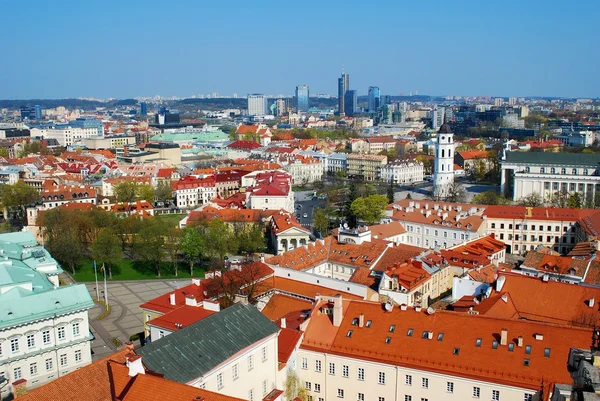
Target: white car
{"x": 305, "y": 215}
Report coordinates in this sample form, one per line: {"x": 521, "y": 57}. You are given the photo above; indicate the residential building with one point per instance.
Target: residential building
{"x": 305, "y": 169}
{"x": 561, "y": 268}
{"x": 287, "y": 233}
{"x": 44, "y": 333}
{"x": 337, "y": 162}
{"x": 162, "y": 152}
{"x": 238, "y": 348}
{"x": 571, "y": 137}
{"x": 431, "y": 224}
{"x": 343, "y": 86}
{"x": 525, "y": 228}
{"x": 67, "y": 136}
{"x": 108, "y": 141}
{"x": 402, "y": 172}
{"x": 60, "y": 195}
{"x": 377, "y": 144}
{"x": 302, "y": 95}
{"x": 373, "y": 99}
{"x": 191, "y": 191}
{"x": 354, "y": 348}
{"x": 257, "y": 105}
{"x": 547, "y": 174}
{"x": 367, "y": 167}
{"x": 472, "y": 160}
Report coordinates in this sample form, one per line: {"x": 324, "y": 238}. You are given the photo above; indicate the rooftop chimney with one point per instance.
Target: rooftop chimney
{"x": 503, "y": 336}
{"x": 591, "y": 302}
{"x": 337, "y": 311}
{"x": 283, "y": 323}
{"x": 196, "y": 281}
{"x": 361, "y": 320}
{"x": 520, "y": 341}
{"x": 172, "y": 299}
{"x": 19, "y": 387}
{"x": 134, "y": 363}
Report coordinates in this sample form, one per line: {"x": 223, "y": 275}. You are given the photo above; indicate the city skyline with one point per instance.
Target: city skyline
{"x": 496, "y": 52}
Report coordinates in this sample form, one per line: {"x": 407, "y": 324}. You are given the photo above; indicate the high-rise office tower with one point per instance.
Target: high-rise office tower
{"x": 343, "y": 86}
{"x": 143, "y": 108}
{"x": 374, "y": 99}
{"x": 350, "y": 102}
{"x": 302, "y": 98}
{"x": 257, "y": 105}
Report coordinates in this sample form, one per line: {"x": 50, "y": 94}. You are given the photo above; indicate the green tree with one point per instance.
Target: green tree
{"x": 369, "y": 209}
{"x": 219, "y": 235}
{"x": 192, "y": 247}
{"x": 16, "y": 197}
{"x": 150, "y": 244}
{"x": 531, "y": 200}
{"x": 173, "y": 243}
{"x": 164, "y": 193}
{"x": 390, "y": 192}
{"x": 106, "y": 249}
{"x": 408, "y": 196}
{"x": 490, "y": 197}
{"x": 4, "y": 152}
{"x": 321, "y": 221}
{"x": 125, "y": 191}
{"x": 559, "y": 198}
{"x": 66, "y": 248}
{"x": 250, "y": 239}
{"x": 30, "y": 148}
{"x": 574, "y": 201}
{"x": 293, "y": 387}
{"x": 145, "y": 192}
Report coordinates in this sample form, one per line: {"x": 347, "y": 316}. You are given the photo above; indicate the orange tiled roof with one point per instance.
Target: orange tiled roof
{"x": 455, "y": 353}
{"x": 383, "y": 231}
{"x": 184, "y": 316}
{"x": 287, "y": 341}
{"x": 474, "y": 154}
{"x": 281, "y": 305}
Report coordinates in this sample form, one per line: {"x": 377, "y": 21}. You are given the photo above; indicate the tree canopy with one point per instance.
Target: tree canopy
{"x": 369, "y": 209}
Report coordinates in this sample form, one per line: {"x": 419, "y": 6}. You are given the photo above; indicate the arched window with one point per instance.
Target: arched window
{"x": 552, "y": 170}
{"x": 527, "y": 169}
{"x": 542, "y": 170}
{"x": 563, "y": 171}
{"x": 574, "y": 171}
{"x": 585, "y": 172}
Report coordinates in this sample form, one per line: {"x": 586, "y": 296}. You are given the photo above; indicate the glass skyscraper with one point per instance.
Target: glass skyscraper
{"x": 350, "y": 103}
{"x": 374, "y": 99}
{"x": 302, "y": 98}
{"x": 343, "y": 86}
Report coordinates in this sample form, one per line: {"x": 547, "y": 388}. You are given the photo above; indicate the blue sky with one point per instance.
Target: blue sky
{"x": 56, "y": 49}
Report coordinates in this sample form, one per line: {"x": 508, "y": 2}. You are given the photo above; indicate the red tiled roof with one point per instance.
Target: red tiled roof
{"x": 456, "y": 352}
{"x": 287, "y": 341}
{"x": 536, "y": 213}
{"x": 474, "y": 154}
{"x": 248, "y": 145}
{"x": 184, "y": 316}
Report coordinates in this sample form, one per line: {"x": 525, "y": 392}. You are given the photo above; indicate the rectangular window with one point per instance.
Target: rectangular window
{"x": 308, "y": 386}
{"x": 361, "y": 397}
{"x": 63, "y": 360}
{"x": 449, "y": 387}
{"x": 264, "y": 387}
{"x": 17, "y": 373}
{"x": 220, "y": 381}
{"x": 495, "y": 395}
{"x": 33, "y": 369}
{"x": 304, "y": 363}
{"x": 317, "y": 388}
{"x": 61, "y": 333}
{"x": 345, "y": 370}
{"x": 361, "y": 374}
{"x": 250, "y": 362}
{"x": 425, "y": 382}
{"x": 528, "y": 397}
{"x": 251, "y": 395}
{"x": 317, "y": 366}
{"x": 340, "y": 393}
{"x": 476, "y": 392}
{"x": 75, "y": 329}
{"x": 14, "y": 345}
{"x": 78, "y": 356}
{"x": 234, "y": 371}
{"x": 381, "y": 399}
{"x": 408, "y": 380}
{"x": 49, "y": 364}
{"x": 408, "y": 398}
{"x": 263, "y": 353}
{"x": 332, "y": 368}
{"x": 30, "y": 341}
{"x": 46, "y": 337}
{"x": 381, "y": 378}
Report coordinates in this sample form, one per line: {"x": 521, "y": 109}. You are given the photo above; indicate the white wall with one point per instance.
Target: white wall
{"x": 310, "y": 278}
{"x": 465, "y": 286}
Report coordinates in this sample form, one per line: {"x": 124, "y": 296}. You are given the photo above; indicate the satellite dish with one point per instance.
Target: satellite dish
{"x": 388, "y": 307}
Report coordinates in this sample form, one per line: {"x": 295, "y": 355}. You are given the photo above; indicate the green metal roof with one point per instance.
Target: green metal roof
{"x": 195, "y": 350}
{"x": 198, "y": 136}
{"x": 574, "y": 159}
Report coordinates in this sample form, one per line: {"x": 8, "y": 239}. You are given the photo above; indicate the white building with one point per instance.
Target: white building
{"x": 65, "y": 136}
{"x": 359, "y": 350}
{"x": 305, "y": 170}
{"x": 44, "y": 332}
{"x": 192, "y": 192}
{"x": 402, "y": 172}
{"x": 546, "y": 174}
{"x": 443, "y": 168}
{"x": 233, "y": 352}
{"x": 257, "y": 105}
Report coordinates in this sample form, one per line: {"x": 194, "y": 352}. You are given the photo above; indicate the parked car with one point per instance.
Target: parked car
{"x": 305, "y": 215}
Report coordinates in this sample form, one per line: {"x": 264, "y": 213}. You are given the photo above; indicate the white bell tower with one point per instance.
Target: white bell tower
{"x": 443, "y": 168}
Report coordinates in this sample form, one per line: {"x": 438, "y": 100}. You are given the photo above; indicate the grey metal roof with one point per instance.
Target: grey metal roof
{"x": 579, "y": 159}
{"x": 194, "y": 350}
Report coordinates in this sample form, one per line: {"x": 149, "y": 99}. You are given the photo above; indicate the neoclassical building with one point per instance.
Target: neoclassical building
{"x": 526, "y": 173}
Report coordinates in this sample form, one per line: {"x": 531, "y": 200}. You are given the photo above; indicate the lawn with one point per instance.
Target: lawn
{"x": 133, "y": 270}
{"x": 171, "y": 219}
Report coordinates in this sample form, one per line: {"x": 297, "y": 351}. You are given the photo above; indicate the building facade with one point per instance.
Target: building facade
{"x": 443, "y": 168}
{"x": 302, "y": 95}
{"x": 257, "y": 105}
{"x": 343, "y": 86}
{"x": 368, "y": 167}
{"x": 374, "y": 99}
{"x": 402, "y": 172}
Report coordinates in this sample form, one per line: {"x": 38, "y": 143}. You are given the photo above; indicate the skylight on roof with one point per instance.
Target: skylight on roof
{"x": 511, "y": 347}
{"x": 526, "y": 362}
{"x": 456, "y": 351}
{"x": 388, "y": 340}
{"x": 528, "y": 349}
{"x": 354, "y": 321}
{"x": 495, "y": 345}
{"x": 410, "y": 332}
{"x": 349, "y": 333}
{"x": 547, "y": 352}
{"x": 478, "y": 342}
{"x": 440, "y": 337}
{"x": 368, "y": 323}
